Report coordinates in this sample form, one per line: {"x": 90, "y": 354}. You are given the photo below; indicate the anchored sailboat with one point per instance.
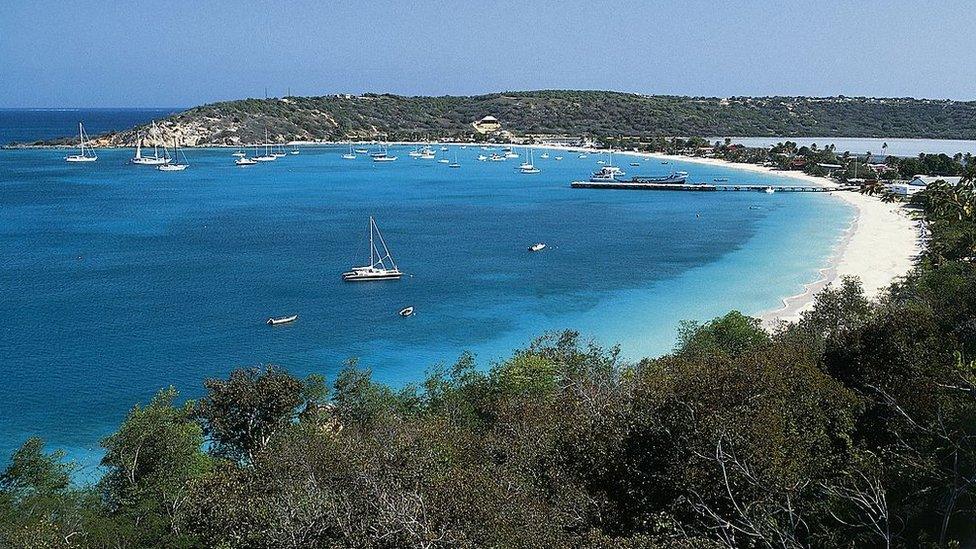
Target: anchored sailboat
{"x": 175, "y": 165}
{"x": 377, "y": 268}
{"x": 155, "y": 159}
{"x": 84, "y": 149}
{"x": 268, "y": 156}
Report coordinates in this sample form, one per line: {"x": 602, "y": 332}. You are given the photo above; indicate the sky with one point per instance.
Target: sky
{"x": 100, "y": 53}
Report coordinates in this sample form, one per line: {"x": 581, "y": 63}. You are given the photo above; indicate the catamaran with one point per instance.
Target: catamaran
{"x": 377, "y": 268}
{"x": 174, "y": 165}
{"x": 155, "y": 159}
{"x": 84, "y": 149}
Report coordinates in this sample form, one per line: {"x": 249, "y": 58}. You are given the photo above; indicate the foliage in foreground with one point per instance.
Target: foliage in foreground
{"x": 855, "y": 427}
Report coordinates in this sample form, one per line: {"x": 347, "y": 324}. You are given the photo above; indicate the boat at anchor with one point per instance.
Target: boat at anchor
{"x": 377, "y": 268}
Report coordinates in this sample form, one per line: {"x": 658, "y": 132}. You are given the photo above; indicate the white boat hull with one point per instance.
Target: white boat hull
{"x": 79, "y": 158}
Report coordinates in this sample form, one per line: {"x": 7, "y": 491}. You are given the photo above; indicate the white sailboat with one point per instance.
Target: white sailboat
{"x": 84, "y": 149}
{"x": 528, "y": 167}
{"x": 268, "y": 156}
{"x": 377, "y": 268}
{"x": 175, "y": 165}
{"x": 155, "y": 159}
{"x": 382, "y": 156}
{"x": 454, "y": 164}
{"x": 349, "y": 155}
{"x": 279, "y": 152}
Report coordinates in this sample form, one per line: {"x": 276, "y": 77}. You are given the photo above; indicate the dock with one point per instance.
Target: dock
{"x": 706, "y": 187}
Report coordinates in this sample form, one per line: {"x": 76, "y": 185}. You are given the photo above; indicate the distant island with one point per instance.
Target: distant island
{"x": 550, "y": 113}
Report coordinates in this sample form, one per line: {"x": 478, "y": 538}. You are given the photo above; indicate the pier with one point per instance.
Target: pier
{"x": 707, "y": 187}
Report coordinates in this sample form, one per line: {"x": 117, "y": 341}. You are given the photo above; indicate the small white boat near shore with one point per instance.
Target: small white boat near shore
{"x": 273, "y": 321}
{"x": 538, "y": 247}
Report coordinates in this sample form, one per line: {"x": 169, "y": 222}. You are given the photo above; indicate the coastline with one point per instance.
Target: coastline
{"x": 879, "y": 246}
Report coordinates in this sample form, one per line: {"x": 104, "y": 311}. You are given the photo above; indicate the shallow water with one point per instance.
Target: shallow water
{"x": 118, "y": 280}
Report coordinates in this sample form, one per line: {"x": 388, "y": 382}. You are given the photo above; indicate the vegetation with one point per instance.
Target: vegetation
{"x": 562, "y": 112}
{"x": 854, "y": 427}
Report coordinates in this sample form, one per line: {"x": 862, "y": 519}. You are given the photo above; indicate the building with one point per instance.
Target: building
{"x": 487, "y": 124}
{"x": 919, "y": 182}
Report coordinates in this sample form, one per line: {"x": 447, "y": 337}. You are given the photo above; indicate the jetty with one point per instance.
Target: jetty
{"x": 707, "y": 187}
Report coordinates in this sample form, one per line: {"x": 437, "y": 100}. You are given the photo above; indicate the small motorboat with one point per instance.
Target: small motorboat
{"x": 361, "y": 150}
{"x": 444, "y": 161}
{"x": 406, "y": 311}
{"x": 635, "y": 164}
{"x": 537, "y": 247}
{"x": 281, "y": 320}
{"x": 558, "y": 158}
{"x": 769, "y": 190}
{"x": 721, "y": 179}
{"x": 482, "y": 158}
{"x": 245, "y": 161}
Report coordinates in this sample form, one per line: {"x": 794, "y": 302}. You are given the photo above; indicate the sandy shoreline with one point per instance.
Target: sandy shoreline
{"x": 880, "y": 245}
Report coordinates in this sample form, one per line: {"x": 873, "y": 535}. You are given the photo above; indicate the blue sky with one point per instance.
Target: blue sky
{"x": 179, "y": 53}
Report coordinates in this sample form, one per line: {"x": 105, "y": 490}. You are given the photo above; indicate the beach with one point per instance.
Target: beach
{"x": 880, "y": 246}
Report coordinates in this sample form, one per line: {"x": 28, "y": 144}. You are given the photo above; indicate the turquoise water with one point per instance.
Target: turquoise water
{"x": 119, "y": 280}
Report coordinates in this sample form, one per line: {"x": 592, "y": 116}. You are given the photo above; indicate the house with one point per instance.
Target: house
{"x": 488, "y": 124}
{"x": 919, "y": 182}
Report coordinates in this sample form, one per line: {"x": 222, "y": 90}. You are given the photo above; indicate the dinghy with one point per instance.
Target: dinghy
{"x": 406, "y": 311}
{"x": 282, "y": 320}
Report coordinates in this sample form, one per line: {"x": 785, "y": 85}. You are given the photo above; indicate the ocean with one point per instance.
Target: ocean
{"x": 28, "y": 125}
{"x": 119, "y": 280}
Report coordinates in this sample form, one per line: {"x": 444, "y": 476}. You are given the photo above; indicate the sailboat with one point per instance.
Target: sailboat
{"x": 528, "y": 167}
{"x": 454, "y": 164}
{"x": 155, "y": 159}
{"x": 382, "y": 156}
{"x": 278, "y": 153}
{"x": 175, "y": 165}
{"x": 349, "y": 155}
{"x": 294, "y": 149}
{"x": 544, "y": 155}
{"x": 377, "y": 268}
{"x": 240, "y": 152}
{"x": 268, "y": 156}
{"x": 84, "y": 149}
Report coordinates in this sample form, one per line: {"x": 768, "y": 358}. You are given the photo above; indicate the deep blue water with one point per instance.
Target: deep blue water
{"x": 118, "y": 280}
{"x": 28, "y": 125}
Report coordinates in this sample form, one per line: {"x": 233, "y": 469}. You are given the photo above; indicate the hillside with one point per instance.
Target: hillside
{"x": 595, "y": 113}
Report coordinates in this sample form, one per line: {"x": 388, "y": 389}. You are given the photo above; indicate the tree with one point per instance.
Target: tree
{"x": 151, "y": 462}
{"x": 240, "y": 415}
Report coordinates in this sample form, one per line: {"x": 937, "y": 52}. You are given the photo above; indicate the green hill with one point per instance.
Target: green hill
{"x": 575, "y": 113}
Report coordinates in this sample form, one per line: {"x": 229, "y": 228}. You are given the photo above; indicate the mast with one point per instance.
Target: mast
{"x": 372, "y": 247}
{"x": 81, "y": 133}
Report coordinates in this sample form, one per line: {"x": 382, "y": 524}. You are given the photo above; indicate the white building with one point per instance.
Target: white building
{"x": 919, "y": 182}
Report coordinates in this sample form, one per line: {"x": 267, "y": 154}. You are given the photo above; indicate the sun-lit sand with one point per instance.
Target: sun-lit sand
{"x": 880, "y": 246}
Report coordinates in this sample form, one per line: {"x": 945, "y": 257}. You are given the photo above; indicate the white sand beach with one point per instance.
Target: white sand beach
{"x": 880, "y": 246}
